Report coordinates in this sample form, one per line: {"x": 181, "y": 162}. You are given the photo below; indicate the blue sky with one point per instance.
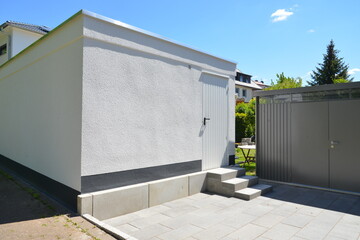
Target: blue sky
{"x": 264, "y": 37}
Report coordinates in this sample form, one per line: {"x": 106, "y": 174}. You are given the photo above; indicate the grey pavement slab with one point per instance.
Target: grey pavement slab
{"x": 286, "y": 213}
{"x": 297, "y": 220}
{"x": 214, "y": 233}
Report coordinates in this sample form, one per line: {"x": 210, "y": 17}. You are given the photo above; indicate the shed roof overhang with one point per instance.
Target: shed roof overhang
{"x": 327, "y": 87}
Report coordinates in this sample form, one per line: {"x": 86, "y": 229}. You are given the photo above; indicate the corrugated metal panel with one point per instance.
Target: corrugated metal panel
{"x": 215, "y": 107}
{"x": 273, "y": 141}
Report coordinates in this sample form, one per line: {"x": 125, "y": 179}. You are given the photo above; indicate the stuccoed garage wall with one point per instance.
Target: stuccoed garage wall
{"x": 142, "y": 99}
{"x": 40, "y": 104}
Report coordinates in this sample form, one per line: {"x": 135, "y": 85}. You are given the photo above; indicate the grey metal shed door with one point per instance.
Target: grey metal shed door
{"x": 326, "y": 144}
{"x": 344, "y": 157}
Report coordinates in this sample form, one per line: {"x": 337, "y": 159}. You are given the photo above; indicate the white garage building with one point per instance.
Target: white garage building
{"x": 97, "y": 104}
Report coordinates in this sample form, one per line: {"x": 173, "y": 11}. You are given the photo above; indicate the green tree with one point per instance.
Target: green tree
{"x": 331, "y": 69}
{"x": 283, "y": 82}
{"x": 244, "y": 120}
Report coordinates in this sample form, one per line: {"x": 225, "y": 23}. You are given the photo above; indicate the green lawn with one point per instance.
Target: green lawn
{"x": 250, "y": 168}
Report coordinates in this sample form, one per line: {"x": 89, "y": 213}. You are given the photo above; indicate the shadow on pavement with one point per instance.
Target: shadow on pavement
{"x": 340, "y": 202}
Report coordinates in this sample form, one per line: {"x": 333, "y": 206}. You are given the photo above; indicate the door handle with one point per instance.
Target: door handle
{"x": 205, "y": 120}
{"x": 333, "y": 143}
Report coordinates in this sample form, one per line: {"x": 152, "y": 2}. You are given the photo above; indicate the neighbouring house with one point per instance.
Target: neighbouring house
{"x": 97, "y": 104}
{"x": 261, "y": 84}
{"x": 16, "y": 36}
{"x": 244, "y": 86}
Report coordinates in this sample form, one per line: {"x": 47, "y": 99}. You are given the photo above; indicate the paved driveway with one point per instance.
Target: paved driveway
{"x": 286, "y": 213}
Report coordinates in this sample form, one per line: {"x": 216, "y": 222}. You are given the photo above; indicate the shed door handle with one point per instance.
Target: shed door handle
{"x": 205, "y": 120}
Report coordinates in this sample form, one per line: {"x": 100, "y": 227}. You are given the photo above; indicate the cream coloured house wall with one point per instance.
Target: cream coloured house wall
{"x": 4, "y": 40}
{"x": 21, "y": 39}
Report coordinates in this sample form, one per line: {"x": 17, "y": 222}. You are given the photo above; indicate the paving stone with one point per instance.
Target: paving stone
{"x": 247, "y": 232}
{"x": 334, "y": 238}
{"x": 281, "y": 231}
{"x": 345, "y": 231}
{"x": 343, "y": 204}
{"x": 320, "y": 226}
{"x": 227, "y": 202}
{"x": 127, "y": 228}
{"x": 199, "y": 196}
{"x": 179, "y": 221}
{"x": 309, "y": 210}
{"x": 216, "y": 232}
{"x": 150, "y": 232}
{"x": 268, "y": 220}
{"x": 206, "y": 210}
{"x": 180, "y": 233}
{"x": 297, "y": 220}
{"x": 258, "y": 210}
{"x": 148, "y": 221}
{"x": 324, "y": 200}
{"x": 181, "y": 210}
{"x": 180, "y": 202}
{"x": 286, "y": 209}
{"x": 117, "y": 221}
{"x": 208, "y": 221}
{"x": 159, "y": 208}
{"x": 239, "y": 220}
{"x": 273, "y": 203}
{"x": 147, "y": 212}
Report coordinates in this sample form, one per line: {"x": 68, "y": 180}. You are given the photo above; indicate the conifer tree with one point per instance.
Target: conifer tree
{"x": 332, "y": 70}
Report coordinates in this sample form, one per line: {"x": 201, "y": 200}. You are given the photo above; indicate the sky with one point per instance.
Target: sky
{"x": 264, "y": 37}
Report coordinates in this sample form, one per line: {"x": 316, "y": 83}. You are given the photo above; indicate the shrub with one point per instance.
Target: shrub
{"x": 244, "y": 120}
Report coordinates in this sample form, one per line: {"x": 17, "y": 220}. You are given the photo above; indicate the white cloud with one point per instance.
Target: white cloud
{"x": 311, "y": 31}
{"x": 353, "y": 71}
{"x": 294, "y": 7}
{"x": 281, "y": 15}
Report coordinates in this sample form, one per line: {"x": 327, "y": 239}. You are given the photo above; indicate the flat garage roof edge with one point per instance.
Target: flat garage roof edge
{"x": 148, "y": 33}
{"x": 327, "y": 87}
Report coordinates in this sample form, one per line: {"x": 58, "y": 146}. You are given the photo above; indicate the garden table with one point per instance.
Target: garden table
{"x": 247, "y": 156}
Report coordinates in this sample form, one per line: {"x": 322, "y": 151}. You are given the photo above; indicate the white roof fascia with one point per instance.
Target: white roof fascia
{"x": 136, "y": 29}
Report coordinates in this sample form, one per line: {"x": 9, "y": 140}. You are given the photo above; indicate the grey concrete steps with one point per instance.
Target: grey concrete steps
{"x": 253, "y": 192}
{"x": 232, "y": 182}
{"x": 225, "y": 173}
{"x": 239, "y": 183}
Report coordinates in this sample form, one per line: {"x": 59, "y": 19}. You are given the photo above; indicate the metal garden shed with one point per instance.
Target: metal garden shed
{"x": 310, "y": 136}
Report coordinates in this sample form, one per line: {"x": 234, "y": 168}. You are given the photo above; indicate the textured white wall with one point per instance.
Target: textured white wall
{"x": 142, "y": 104}
{"x": 40, "y": 105}
{"x": 21, "y": 39}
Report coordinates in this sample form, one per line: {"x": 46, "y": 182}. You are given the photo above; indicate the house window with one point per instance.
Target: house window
{"x": 3, "y": 49}
{"x": 237, "y": 91}
{"x": 244, "y": 93}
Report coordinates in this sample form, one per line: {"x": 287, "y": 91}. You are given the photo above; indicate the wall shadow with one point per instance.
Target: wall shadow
{"x": 333, "y": 201}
